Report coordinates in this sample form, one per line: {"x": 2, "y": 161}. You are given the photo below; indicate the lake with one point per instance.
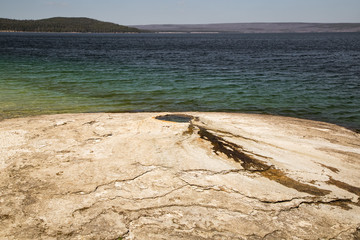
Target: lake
{"x": 306, "y": 75}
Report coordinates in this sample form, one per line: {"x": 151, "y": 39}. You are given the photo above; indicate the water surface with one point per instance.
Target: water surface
{"x": 314, "y": 76}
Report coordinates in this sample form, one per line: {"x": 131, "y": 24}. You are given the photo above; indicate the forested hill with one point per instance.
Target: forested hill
{"x": 62, "y": 24}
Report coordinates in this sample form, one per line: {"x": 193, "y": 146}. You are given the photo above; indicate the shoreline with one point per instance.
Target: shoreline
{"x": 351, "y": 128}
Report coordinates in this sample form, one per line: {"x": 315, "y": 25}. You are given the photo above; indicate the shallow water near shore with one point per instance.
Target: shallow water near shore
{"x": 313, "y": 76}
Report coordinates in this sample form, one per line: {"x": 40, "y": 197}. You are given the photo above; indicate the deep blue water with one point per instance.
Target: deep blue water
{"x": 314, "y": 76}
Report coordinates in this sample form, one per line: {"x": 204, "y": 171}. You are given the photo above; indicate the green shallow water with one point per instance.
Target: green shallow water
{"x": 314, "y": 76}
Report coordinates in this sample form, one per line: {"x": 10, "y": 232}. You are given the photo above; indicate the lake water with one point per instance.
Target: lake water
{"x": 313, "y": 76}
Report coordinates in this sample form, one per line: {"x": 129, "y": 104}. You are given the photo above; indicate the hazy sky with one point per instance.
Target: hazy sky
{"x": 129, "y": 12}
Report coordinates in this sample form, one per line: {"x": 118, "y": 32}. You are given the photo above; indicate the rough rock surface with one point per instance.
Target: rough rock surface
{"x": 209, "y": 176}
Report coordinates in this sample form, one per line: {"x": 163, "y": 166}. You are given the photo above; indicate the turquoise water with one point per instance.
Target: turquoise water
{"x": 314, "y": 76}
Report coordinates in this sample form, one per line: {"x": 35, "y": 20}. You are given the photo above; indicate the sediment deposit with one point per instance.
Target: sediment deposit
{"x": 188, "y": 176}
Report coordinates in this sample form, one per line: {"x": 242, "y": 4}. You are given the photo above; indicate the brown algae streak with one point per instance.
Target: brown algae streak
{"x": 345, "y": 186}
{"x": 251, "y": 164}
{"x": 231, "y": 151}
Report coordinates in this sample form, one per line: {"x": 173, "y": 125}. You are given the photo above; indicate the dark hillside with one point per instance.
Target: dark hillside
{"x": 61, "y": 24}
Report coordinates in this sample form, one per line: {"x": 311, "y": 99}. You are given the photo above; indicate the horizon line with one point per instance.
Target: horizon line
{"x": 242, "y": 23}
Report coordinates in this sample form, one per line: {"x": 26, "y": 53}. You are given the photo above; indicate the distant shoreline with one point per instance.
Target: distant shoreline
{"x": 252, "y": 28}
{"x": 171, "y": 33}
{"x": 88, "y": 25}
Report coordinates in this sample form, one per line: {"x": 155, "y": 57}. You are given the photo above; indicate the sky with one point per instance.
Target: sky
{"x": 136, "y": 12}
